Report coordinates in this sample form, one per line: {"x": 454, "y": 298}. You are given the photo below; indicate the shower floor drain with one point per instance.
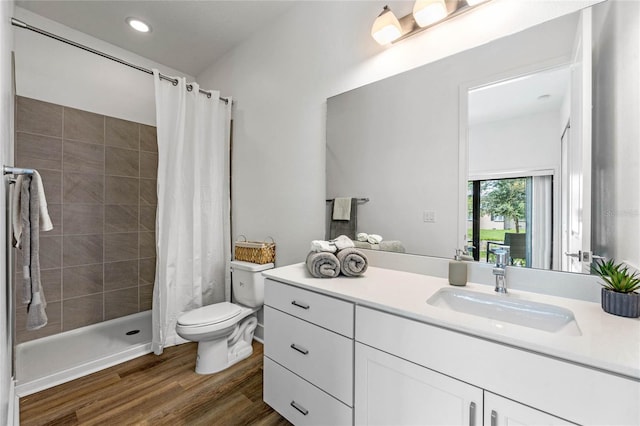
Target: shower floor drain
{"x": 132, "y": 332}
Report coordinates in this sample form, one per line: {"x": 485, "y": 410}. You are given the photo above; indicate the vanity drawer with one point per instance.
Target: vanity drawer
{"x": 336, "y": 315}
{"x": 284, "y": 391}
{"x": 319, "y": 356}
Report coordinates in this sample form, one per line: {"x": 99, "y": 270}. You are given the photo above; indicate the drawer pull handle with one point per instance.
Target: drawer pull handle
{"x": 494, "y": 418}
{"x": 299, "y": 304}
{"x": 300, "y": 349}
{"x": 299, "y": 408}
{"x": 472, "y": 414}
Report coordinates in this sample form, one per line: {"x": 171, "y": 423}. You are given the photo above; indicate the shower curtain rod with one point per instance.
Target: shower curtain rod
{"x": 21, "y": 24}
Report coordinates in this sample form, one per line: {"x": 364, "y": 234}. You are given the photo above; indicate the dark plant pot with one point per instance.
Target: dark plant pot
{"x": 621, "y": 304}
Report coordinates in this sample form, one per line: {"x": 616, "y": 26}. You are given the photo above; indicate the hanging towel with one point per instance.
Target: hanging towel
{"x": 32, "y": 287}
{"x": 45, "y": 220}
{"x": 342, "y": 208}
{"x": 353, "y": 262}
{"x": 22, "y": 187}
{"x": 323, "y": 264}
{"x": 345, "y": 227}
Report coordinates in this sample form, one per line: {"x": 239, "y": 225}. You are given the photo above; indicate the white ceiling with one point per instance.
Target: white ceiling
{"x": 186, "y": 35}
{"x": 519, "y": 96}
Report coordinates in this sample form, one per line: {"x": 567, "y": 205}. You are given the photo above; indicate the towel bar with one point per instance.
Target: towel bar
{"x": 10, "y": 170}
{"x": 360, "y": 200}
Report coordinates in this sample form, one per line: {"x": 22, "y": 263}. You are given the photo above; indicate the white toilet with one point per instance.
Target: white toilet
{"x": 224, "y": 331}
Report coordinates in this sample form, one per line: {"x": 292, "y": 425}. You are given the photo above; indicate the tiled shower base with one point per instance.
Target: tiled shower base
{"x": 52, "y": 360}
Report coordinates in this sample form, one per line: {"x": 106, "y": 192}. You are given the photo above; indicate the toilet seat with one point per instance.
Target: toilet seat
{"x": 209, "y": 315}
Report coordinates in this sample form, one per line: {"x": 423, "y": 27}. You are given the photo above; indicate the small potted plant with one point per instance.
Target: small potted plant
{"x": 619, "y": 296}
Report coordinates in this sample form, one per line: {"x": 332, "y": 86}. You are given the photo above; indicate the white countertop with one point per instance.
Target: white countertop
{"x": 607, "y": 342}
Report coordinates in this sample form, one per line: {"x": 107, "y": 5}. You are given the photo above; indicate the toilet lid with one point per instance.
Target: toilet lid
{"x": 210, "y": 314}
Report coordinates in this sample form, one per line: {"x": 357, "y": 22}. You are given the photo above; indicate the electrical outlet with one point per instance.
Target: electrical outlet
{"x": 429, "y": 216}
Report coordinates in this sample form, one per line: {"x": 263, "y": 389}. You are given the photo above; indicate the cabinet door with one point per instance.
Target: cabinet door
{"x": 499, "y": 411}
{"x": 392, "y": 391}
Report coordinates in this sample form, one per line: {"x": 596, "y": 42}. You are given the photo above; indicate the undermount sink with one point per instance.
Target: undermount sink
{"x": 505, "y": 308}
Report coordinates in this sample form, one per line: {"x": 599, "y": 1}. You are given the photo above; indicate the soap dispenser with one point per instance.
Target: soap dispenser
{"x": 458, "y": 270}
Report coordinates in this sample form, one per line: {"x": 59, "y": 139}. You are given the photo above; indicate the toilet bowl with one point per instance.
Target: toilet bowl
{"x": 224, "y": 331}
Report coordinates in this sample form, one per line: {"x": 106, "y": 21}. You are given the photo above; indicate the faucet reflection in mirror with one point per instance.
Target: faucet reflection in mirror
{"x": 387, "y": 28}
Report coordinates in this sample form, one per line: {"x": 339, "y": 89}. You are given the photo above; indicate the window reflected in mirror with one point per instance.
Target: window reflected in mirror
{"x": 510, "y": 212}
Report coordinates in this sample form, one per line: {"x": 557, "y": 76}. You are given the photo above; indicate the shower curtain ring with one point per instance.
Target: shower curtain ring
{"x": 189, "y": 87}
{"x": 175, "y": 82}
{"x": 209, "y": 95}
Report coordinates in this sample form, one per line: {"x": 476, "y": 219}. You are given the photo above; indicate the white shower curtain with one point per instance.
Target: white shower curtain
{"x": 192, "y": 224}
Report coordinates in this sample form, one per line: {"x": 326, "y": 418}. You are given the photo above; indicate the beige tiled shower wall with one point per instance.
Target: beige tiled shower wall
{"x": 99, "y": 175}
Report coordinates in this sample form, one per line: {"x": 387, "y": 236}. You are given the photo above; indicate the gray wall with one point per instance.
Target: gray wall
{"x": 99, "y": 174}
{"x": 616, "y": 131}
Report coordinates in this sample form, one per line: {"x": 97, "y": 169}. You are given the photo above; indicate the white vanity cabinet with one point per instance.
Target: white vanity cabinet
{"x": 372, "y": 351}
{"x": 392, "y": 391}
{"x": 535, "y": 384}
{"x": 308, "y": 368}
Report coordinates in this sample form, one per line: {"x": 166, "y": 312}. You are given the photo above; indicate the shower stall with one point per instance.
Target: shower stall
{"x": 98, "y": 262}
{"x": 101, "y": 181}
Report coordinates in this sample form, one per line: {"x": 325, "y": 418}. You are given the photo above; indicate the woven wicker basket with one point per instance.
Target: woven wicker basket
{"x": 259, "y": 252}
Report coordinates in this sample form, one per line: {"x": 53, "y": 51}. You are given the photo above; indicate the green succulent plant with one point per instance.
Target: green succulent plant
{"x": 616, "y": 276}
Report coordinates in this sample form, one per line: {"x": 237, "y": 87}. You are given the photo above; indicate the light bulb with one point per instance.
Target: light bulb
{"x": 428, "y": 12}
{"x": 386, "y": 28}
{"x": 138, "y": 25}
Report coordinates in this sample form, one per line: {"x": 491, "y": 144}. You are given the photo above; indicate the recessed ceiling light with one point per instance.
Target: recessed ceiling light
{"x": 138, "y": 25}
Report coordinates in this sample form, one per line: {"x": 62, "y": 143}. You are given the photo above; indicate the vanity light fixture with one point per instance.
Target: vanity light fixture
{"x": 426, "y": 13}
{"x": 138, "y": 25}
{"x": 386, "y": 27}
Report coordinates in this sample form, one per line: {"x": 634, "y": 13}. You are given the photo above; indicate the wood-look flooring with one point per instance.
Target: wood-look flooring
{"x": 157, "y": 390}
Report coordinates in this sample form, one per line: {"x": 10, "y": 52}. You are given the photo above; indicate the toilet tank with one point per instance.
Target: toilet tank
{"x": 248, "y": 283}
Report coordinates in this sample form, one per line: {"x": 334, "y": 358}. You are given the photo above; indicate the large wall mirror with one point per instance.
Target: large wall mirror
{"x": 492, "y": 146}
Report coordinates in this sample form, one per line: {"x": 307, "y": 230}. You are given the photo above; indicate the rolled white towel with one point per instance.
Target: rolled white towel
{"x": 342, "y": 242}
{"x": 362, "y": 236}
{"x": 374, "y": 239}
{"x": 323, "y": 246}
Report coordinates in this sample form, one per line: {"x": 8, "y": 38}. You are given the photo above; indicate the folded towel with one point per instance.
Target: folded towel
{"x": 323, "y": 264}
{"x": 342, "y": 242}
{"x": 319, "y": 245}
{"x": 366, "y": 245}
{"x": 362, "y": 236}
{"x": 374, "y": 239}
{"x": 386, "y": 245}
{"x": 45, "y": 220}
{"x": 352, "y": 262}
{"x": 392, "y": 245}
{"x": 342, "y": 208}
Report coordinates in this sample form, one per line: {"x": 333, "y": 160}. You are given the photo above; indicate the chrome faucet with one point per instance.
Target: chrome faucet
{"x": 502, "y": 259}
